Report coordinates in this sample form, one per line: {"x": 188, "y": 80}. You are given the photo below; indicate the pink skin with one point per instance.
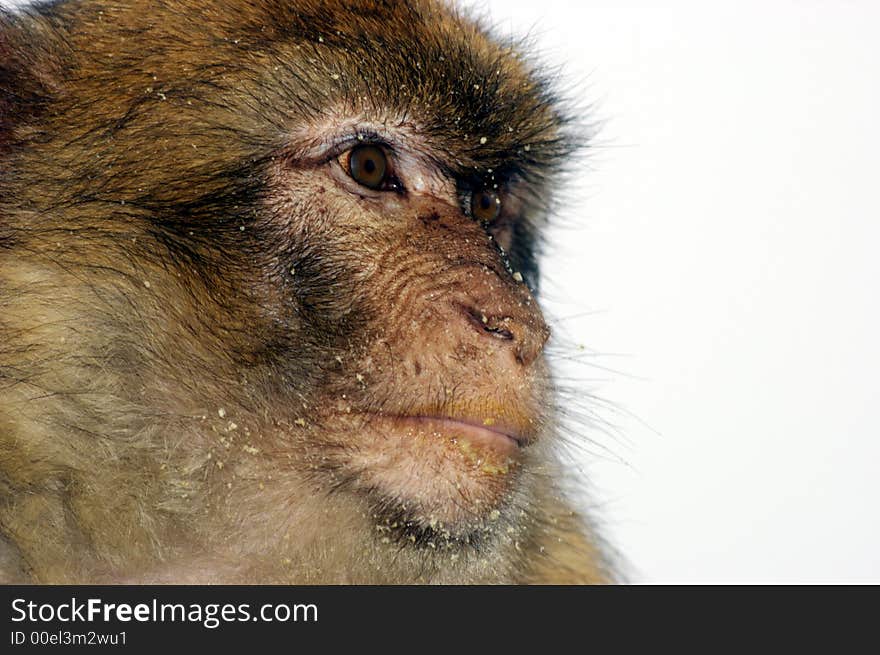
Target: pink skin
{"x": 501, "y": 438}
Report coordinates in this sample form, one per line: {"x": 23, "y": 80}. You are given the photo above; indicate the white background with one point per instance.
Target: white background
{"x": 718, "y": 254}
{"x": 728, "y": 257}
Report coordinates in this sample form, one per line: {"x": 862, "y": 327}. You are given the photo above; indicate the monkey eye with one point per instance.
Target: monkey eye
{"x": 485, "y": 205}
{"x": 368, "y": 166}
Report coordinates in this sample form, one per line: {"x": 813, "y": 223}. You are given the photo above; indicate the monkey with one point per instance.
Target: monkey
{"x": 269, "y": 298}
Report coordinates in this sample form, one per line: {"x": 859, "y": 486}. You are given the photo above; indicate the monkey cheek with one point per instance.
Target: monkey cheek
{"x": 456, "y": 480}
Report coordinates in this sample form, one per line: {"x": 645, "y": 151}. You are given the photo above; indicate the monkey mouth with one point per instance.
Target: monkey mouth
{"x": 486, "y": 433}
{"x": 451, "y": 468}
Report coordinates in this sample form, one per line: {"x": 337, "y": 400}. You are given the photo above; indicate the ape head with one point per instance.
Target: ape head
{"x": 267, "y": 297}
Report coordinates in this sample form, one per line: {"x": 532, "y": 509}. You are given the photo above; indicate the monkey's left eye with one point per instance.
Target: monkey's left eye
{"x": 485, "y": 205}
{"x": 368, "y": 165}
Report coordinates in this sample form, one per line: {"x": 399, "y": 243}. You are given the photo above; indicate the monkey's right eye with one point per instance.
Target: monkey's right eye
{"x": 368, "y": 165}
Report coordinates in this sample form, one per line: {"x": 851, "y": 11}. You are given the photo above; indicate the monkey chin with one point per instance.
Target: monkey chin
{"x": 448, "y": 476}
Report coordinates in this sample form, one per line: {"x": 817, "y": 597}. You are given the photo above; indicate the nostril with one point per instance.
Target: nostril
{"x": 501, "y": 333}
{"x": 491, "y": 326}
{"x": 525, "y": 334}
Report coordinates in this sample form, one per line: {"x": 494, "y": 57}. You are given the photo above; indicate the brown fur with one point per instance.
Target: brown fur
{"x": 197, "y": 311}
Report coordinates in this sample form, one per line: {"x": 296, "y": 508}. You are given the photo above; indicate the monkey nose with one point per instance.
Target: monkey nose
{"x": 524, "y": 335}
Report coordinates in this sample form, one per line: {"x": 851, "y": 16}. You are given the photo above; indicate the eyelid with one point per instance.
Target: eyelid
{"x": 416, "y": 166}
{"x": 359, "y": 138}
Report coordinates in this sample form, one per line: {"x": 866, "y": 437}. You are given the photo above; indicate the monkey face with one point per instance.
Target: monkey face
{"x": 433, "y": 390}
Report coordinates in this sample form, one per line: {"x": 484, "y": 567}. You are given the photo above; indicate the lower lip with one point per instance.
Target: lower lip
{"x": 448, "y": 427}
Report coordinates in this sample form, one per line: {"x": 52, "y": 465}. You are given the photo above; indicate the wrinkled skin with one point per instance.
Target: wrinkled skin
{"x": 222, "y": 358}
